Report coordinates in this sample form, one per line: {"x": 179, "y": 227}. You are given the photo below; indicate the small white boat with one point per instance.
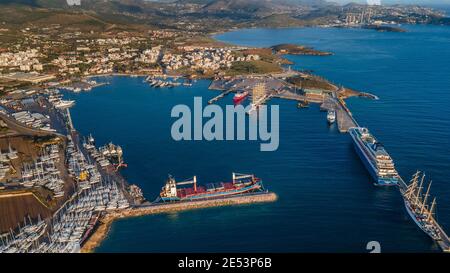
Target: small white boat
{"x": 331, "y": 116}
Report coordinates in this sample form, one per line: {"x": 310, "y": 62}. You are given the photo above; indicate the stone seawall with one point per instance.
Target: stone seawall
{"x": 105, "y": 223}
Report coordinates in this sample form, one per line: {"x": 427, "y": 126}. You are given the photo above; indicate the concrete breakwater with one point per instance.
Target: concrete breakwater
{"x": 105, "y": 223}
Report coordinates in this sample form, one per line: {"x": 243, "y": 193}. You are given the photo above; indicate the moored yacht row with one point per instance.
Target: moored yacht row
{"x": 105, "y": 156}
{"x": 43, "y": 172}
{"x": 26, "y": 238}
{"x": 162, "y": 82}
{"x": 5, "y": 160}
{"x": 73, "y": 223}
{"x": 55, "y": 98}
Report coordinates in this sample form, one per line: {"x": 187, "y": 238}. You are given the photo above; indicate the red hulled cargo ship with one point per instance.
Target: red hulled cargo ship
{"x": 241, "y": 183}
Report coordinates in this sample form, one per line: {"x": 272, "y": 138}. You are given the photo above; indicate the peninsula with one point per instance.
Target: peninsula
{"x": 292, "y": 49}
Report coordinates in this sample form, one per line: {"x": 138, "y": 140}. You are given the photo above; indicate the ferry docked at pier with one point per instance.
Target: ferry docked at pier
{"x": 241, "y": 183}
{"x": 374, "y": 156}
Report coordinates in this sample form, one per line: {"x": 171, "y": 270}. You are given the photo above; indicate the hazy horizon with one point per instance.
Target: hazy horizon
{"x": 423, "y": 2}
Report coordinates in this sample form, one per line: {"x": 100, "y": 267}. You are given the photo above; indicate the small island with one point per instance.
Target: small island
{"x": 381, "y": 28}
{"x": 298, "y": 50}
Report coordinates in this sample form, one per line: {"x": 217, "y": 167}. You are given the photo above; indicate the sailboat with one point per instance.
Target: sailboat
{"x": 416, "y": 204}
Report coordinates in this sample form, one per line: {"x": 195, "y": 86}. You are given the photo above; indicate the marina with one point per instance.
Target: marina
{"x": 77, "y": 218}
{"x": 99, "y": 190}
{"x": 85, "y": 85}
{"x": 162, "y": 81}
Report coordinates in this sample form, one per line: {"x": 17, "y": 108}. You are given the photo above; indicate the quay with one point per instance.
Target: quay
{"x": 105, "y": 223}
{"x": 277, "y": 87}
{"x": 444, "y": 243}
{"x": 345, "y": 118}
{"x": 287, "y": 95}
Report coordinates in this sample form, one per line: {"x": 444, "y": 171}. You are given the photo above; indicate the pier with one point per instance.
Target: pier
{"x": 345, "y": 119}
{"x": 444, "y": 244}
{"x": 218, "y": 97}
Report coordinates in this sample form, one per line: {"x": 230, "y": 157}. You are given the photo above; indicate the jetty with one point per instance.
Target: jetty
{"x": 153, "y": 208}
{"x": 218, "y": 97}
{"x": 157, "y": 208}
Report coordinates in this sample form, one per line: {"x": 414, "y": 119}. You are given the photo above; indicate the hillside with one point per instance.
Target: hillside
{"x": 196, "y": 15}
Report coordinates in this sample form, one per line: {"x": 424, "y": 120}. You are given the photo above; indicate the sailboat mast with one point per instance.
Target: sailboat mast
{"x": 430, "y": 214}
{"x": 419, "y": 189}
{"x": 426, "y": 197}
{"x": 413, "y": 184}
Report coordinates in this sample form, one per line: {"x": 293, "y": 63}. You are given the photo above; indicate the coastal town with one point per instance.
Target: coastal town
{"x": 74, "y": 187}
{"x": 32, "y": 53}
{"x": 59, "y": 190}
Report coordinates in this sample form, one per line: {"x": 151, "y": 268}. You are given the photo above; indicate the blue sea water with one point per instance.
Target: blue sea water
{"x": 327, "y": 202}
